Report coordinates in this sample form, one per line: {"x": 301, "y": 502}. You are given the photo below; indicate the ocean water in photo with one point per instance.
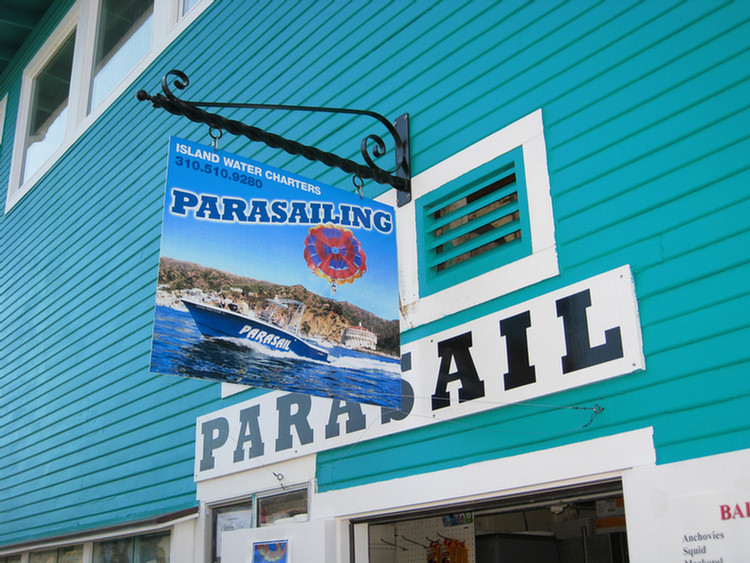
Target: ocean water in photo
{"x": 351, "y": 375}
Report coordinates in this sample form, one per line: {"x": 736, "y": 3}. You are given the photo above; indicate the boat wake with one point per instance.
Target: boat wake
{"x": 366, "y": 363}
{"x": 260, "y": 348}
{"x": 363, "y": 363}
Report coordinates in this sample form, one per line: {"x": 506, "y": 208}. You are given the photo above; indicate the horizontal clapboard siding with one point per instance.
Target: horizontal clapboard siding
{"x": 647, "y": 125}
{"x": 646, "y": 115}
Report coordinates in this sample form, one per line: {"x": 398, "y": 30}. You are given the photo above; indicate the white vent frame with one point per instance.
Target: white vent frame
{"x": 528, "y": 133}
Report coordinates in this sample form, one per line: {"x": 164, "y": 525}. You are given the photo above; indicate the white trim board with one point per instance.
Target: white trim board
{"x": 561, "y": 466}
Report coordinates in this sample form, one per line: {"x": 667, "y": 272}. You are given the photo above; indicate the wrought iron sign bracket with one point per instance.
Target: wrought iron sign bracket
{"x": 399, "y": 177}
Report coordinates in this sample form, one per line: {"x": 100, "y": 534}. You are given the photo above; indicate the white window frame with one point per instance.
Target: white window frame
{"x": 83, "y": 17}
{"x": 3, "y": 105}
{"x": 416, "y": 309}
{"x": 181, "y": 544}
{"x": 48, "y": 50}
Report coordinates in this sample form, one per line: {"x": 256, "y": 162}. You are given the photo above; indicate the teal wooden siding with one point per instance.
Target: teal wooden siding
{"x": 646, "y": 120}
{"x": 646, "y": 115}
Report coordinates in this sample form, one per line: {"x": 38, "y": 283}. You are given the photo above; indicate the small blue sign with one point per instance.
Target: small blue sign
{"x": 271, "y": 552}
{"x": 273, "y": 280}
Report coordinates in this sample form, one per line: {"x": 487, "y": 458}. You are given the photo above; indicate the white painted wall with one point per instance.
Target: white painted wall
{"x": 183, "y": 545}
{"x": 308, "y": 541}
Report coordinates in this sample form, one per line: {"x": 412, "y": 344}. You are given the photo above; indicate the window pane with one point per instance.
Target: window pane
{"x": 187, "y": 5}
{"x": 237, "y": 517}
{"x": 153, "y": 548}
{"x": 70, "y": 554}
{"x": 114, "y": 551}
{"x": 48, "y": 109}
{"x": 286, "y": 507}
{"x": 43, "y": 556}
{"x": 123, "y": 39}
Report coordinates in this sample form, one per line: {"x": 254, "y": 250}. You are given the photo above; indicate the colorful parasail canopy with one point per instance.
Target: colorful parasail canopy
{"x": 334, "y": 254}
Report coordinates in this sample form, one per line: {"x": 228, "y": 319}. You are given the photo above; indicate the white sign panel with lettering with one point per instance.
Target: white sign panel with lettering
{"x": 695, "y": 511}
{"x": 577, "y": 335}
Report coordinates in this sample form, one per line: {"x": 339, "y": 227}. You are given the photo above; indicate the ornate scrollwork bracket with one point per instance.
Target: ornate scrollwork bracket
{"x": 399, "y": 177}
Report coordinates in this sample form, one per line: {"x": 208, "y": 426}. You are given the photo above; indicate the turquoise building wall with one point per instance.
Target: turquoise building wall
{"x": 647, "y": 119}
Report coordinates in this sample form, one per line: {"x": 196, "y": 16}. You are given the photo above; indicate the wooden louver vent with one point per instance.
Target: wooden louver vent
{"x": 473, "y": 222}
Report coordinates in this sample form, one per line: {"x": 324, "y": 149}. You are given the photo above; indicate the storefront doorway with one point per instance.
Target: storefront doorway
{"x": 573, "y": 525}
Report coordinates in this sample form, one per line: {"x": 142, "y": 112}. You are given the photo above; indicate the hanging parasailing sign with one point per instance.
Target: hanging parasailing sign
{"x": 273, "y": 280}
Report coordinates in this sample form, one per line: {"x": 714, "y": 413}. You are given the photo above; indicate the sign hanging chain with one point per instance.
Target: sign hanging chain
{"x": 359, "y": 185}
{"x": 215, "y": 137}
